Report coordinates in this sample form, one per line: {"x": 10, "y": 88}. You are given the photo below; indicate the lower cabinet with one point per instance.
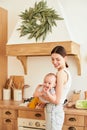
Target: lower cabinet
{"x": 0, "y": 119}
{"x": 9, "y": 124}
{"x": 9, "y": 119}
{"x": 31, "y": 114}
{"x": 31, "y": 119}
{"x": 85, "y": 123}
{"x": 73, "y": 128}
{"x": 75, "y": 120}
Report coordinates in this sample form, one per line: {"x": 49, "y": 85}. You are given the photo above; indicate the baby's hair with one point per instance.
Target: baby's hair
{"x": 51, "y": 74}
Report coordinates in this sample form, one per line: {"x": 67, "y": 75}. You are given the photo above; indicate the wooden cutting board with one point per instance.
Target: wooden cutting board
{"x": 18, "y": 81}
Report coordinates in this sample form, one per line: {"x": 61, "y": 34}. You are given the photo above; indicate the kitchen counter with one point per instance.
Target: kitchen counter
{"x": 9, "y": 104}
{"x": 75, "y": 119}
{"x": 15, "y": 105}
{"x": 75, "y": 111}
{"x": 11, "y": 111}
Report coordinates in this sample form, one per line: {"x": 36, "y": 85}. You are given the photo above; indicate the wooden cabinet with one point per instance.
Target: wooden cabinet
{"x": 73, "y": 122}
{"x": 10, "y": 112}
{"x": 85, "y": 122}
{"x": 75, "y": 119}
{"x": 3, "y": 40}
{"x": 0, "y": 119}
{"x": 73, "y": 128}
{"x": 9, "y": 119}
{"x": 31, "y": 119}
{"x": 31, "y": 114}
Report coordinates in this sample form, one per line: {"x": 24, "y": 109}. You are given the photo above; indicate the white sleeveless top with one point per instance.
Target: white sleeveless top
{"x": 66, "y": 87}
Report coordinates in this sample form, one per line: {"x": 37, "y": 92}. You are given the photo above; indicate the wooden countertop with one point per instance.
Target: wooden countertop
{"x": 9, "y": 104}
{"x": 15, "y": 105}
{"x": 75, "y": 111}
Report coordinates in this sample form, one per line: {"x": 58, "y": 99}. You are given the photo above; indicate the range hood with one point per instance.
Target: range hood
{"x": 22, "y": 47}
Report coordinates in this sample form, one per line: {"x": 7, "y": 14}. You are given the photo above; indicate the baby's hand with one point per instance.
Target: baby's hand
{"x": 40, "y": 85}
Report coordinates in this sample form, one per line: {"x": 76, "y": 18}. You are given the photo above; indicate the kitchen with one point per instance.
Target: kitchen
{"x": 77, "y": 25}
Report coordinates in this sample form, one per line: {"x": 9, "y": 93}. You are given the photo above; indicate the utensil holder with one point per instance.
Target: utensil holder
{"x": 17, "y": 94}
{"x": 75, "y": 97}
{"x": 6, "y": 94}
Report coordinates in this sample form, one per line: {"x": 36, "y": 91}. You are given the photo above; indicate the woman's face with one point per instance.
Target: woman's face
{"x": 58, "y": 61}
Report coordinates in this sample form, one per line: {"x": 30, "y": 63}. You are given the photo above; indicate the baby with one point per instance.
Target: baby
{"x": 49, "y": 84}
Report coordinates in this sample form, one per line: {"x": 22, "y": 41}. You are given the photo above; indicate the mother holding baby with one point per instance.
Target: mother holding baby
{"x": 54, "y": 110}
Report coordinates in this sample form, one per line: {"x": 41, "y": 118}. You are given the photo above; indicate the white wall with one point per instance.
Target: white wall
{"x": 76, "y": 13}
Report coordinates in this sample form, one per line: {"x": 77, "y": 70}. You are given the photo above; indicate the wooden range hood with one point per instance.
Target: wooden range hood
{"x": 22, "y": 51}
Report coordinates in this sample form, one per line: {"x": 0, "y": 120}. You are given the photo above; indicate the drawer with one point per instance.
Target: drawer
{"x": 31, "y": 114}
{"x": 0, "y": 113}
{"x": 8, "y": 121}
{"x": 85, "y": 120}
{"x": 72, "y": 128}
{"x": 85, "y": 128}
{"x": 8, "y": 113}
{"x": 74, "y": 120}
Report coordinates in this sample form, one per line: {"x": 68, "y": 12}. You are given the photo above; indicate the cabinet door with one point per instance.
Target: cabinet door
{"x": 39, "y": 115}
{"x": 86, "y": 121}
{"x": 1, "y": 124}
{"x": 9, "y": 119}
{"x": 74, "y": 120}
{"x": 8, "y": 113}
{"x": 72, "y": 128}
{"x": 0, "y": 119}
{"x": 9, "y": 124}
{"x": 85, "y": 128}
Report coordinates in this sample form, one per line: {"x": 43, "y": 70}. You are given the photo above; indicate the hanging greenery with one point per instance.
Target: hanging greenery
{"x": 38, "y": 21}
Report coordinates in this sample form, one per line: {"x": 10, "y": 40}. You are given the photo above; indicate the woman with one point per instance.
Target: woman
{"x": 54, "y": 109}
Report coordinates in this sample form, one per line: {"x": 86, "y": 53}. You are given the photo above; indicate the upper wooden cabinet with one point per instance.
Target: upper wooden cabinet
{"x": 42, "y": 49}
{"x": 3, "y": 41}
{"x": 3, "y": 26}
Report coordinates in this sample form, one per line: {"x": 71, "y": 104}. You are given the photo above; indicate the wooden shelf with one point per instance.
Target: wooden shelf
{"x": 42, "y": 49}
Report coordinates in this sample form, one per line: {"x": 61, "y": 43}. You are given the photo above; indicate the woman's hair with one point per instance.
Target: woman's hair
{"x": 60, "y": 50}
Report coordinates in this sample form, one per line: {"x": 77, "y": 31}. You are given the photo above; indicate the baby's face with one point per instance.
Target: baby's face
{"x": 49, "y": 82}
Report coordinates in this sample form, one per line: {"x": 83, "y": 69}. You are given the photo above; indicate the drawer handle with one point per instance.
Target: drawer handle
{"x": 71, "y": 128}
{"x": 8, "y": 113}
{"x": 8, "y": 120}
{"x": 72, "y": 119}
{"x": 38, "y": 115}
